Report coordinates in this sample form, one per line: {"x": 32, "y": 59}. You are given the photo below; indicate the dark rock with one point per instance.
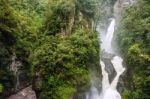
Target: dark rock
{"x": 20, "y": 72}
{"x": 106, "y": 55}
{"x": 106, "y": 58}
{"x": 79, "y": 96}
{"x": 109, "y": 68}
{"x": 26, "y": 93}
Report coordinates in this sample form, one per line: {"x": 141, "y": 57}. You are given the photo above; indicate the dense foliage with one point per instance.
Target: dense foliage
{"x": 66, "y": 47}
{"x": 8, "y": 25}
{"x": 62, "y": 63}
{"x": 54, "y": 41}
{"x": 134, "y": 40}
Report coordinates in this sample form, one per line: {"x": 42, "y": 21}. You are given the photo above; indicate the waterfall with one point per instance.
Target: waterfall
{"x": 106, "y": 45}
{"x": 111, "y": 62}
{"x": 109, "y": 90}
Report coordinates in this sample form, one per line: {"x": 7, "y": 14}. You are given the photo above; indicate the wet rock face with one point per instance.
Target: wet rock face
{"x": 106, "y": 55}
{"x": 79, "y": 96}
{"x": 106, "y": 58}
{"x": 20, "y": 72}
{"x": 121, "y": 84}
{"x": 26, "y": 93}
{"x": 109, "y": 68}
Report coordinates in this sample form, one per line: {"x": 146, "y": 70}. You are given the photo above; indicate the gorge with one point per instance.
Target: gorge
{"x": 74, "y": 49}
{"x": 110, "y": 73}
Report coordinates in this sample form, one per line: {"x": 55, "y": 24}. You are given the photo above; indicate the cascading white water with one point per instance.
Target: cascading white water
{"x": 106, "y": 44}
{"x": 109, "y": 90}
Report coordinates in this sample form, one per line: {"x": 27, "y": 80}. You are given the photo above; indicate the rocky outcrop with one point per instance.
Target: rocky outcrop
{"x": 109, "y": 68}
{"x": 119, "y": 6}
{"x": 21, "y": 81}
{"x": 106, "y": 58}
{"x": 26, "y": 93}
{"x": 20, "y": 72}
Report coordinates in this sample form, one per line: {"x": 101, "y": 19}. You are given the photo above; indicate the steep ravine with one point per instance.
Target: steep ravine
{"x": 111, "y": 61}
{"x": 23, "y": 89}
{"x": 108, "y": 57}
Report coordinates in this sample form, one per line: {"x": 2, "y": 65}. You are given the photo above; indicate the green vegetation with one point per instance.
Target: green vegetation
{"x": 134, "y": 40}
{"x": 1, "y": 88}
{"x": 8, "y": 29}
{"x": 54, "y": 41}
{"x": 60, "y": 62}
{"x": 65, "y": 48}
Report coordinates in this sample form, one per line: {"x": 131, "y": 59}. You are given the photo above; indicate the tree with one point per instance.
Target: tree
{"x": 133, "y": 37}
